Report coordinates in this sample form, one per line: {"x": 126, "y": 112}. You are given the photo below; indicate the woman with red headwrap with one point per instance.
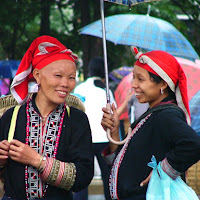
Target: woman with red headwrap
{"x": 51, "y": 154}
{"x": 162, "y": 131}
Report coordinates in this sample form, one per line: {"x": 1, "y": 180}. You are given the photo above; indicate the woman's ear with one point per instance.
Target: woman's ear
{"x": 36, "y": 75}
{"x": 164, "y": 85}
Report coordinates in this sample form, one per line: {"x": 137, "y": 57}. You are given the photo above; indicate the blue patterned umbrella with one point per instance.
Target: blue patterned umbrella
{"x": 145, "y": 32}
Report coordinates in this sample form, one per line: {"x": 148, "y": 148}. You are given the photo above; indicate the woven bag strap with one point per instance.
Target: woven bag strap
{"x": 13, "y": 123}
{"x": 68, "y": 110}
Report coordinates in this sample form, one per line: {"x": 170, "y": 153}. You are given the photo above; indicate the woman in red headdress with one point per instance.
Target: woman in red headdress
{"x": 163, "y": 131}
{"x": 51, "y": 154}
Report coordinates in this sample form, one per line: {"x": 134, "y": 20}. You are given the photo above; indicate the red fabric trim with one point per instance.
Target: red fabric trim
{"x": 167, "y": 168}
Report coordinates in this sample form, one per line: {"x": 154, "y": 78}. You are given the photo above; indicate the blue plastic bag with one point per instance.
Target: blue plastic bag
{"x": 162, "y": 187}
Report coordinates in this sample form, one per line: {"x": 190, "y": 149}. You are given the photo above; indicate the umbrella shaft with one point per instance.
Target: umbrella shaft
{"x": 104, "y": 49}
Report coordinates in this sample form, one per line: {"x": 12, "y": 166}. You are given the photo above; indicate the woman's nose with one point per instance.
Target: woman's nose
{"x": 134, "y": 84}
{"x": 65, "y": 82}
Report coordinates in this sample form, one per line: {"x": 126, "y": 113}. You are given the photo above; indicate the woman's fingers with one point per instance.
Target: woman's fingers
{"x": 146, "y": 180}
{"x": 5, "y": 145}
{"x": 23, "y": 153}
{"x": 16, "y": 143}
{"x": 4, "y": 148}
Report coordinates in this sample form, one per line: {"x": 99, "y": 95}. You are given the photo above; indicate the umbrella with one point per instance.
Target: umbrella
{"x": 192, "y": 72}
{"x": 118, "y": 74}
{"x": 8, "y": 68}
{"x": 133, "y": 2}
{"x": 121, "y": 91}
{"x": 195, "y": 112}
{"x": 143, "y": 31}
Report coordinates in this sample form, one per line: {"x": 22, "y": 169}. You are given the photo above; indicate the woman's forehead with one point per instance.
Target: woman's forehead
{"x": 140, "y": 70}
{"x": 62, "y": 65}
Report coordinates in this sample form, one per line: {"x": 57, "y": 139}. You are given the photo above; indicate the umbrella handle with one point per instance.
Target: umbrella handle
{"x": 109, "y": 136}
{"x": 118, "y": 142}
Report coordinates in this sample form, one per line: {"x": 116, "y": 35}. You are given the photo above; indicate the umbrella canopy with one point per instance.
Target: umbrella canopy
{"x": 8, "y": 68}
{"x": 143, "y": 31}
{"x": 192, "y": 72}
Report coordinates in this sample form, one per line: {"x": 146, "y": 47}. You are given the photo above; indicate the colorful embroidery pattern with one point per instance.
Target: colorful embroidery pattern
{"x": 118, "y": 161}
{"x": 35, "y": 188}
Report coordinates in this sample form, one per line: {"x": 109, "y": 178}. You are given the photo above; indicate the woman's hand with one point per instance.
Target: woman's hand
{"x": 23, "y": 153}
{"x": 146, "y": 181}
{"x": 110, "y": 121}
{"x": 4, "y": 149}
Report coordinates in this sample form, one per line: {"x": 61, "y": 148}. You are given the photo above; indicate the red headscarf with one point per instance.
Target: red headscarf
{"x": 42, "y": 51}
{"x": 166, "y": 66}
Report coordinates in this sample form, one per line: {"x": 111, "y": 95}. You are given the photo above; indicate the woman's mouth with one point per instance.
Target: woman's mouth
{"x": 137, "y": 94}
{"x": 62, "y": 92}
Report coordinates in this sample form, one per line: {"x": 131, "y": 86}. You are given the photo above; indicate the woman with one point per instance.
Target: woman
{"x": 51, "y": 154}
{"x": 162, "y": 131}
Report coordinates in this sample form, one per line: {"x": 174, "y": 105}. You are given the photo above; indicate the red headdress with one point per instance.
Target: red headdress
{"x": 166, "y": 66}
{"x": 42, "y": 51}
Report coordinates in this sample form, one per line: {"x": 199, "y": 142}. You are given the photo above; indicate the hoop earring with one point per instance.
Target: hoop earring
{"x": 161, "y": 91}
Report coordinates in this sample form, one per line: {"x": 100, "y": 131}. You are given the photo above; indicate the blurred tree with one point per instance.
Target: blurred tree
{"x": 13, "y": 26}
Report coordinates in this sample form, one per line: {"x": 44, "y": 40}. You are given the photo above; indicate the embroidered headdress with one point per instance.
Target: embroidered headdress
{"x": 166, "y": 66}
{"x": 42, "y": 51}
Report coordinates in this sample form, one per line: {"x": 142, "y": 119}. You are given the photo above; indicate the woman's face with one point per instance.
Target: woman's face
{"x": 56, "y": 81}
{"x": 145, "y": 89}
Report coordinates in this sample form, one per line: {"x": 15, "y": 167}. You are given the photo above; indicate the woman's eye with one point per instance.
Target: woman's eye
{"x": 71, "y": 77}
{"x": 58, "y": 75}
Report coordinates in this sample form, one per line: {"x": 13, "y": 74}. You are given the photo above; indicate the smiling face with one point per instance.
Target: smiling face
{"x": 56, "y": 81}
{"x": 146, "y": 90}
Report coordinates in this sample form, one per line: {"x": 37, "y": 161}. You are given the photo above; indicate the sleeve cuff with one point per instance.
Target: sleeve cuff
{"x": 108, "y": 156}
{"x": 167, "y": 168}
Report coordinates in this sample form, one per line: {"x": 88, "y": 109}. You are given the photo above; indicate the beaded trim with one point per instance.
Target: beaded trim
{"x": 47, "y": 145}
{"x": 118, "y": 160}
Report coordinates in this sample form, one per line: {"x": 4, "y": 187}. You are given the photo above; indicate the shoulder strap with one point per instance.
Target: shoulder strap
{"x": 157, "y": 108}
{"x": 13, "y": 123}
{"x": 68, "y": 110}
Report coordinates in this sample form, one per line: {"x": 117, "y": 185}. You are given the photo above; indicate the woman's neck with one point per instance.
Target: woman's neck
{"x": 44, "y": 107}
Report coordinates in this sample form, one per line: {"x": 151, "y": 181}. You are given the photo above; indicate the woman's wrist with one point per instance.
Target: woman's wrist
{"x": 41, "y": 164}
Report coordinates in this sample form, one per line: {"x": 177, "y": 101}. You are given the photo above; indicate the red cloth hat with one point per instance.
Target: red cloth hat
{"x": 42, "y": 51}
{"x": 166, "y": 66}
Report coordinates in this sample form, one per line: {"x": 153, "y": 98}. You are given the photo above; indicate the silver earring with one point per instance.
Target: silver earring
{"x": 161, "y": 91}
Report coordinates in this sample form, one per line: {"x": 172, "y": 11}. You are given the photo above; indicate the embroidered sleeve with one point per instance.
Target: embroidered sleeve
{"x": 166, "y": 167}
{"x": 59, "y": 173}
{"x": 108, "y": 156}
